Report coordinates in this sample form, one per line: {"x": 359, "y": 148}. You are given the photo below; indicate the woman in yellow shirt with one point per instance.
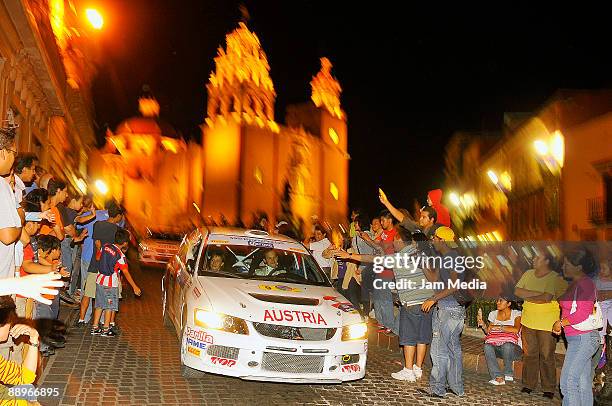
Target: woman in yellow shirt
{"x": 10, "y": 372}
{"x": 540, "y": 287}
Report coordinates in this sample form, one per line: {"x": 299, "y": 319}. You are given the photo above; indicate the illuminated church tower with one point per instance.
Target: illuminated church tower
{"x": 251, "y": 163}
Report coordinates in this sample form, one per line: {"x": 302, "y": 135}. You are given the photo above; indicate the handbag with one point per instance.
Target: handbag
{"x": 593, "y": 322}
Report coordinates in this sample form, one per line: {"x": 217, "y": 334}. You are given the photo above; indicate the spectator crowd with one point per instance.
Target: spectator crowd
{"x": 56, "y": 250}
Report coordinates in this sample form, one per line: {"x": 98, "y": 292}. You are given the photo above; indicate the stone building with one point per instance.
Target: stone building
{"x": 46, "y": 69}
{"x": 548, "y": 177}
{"x": 246, "y": 162}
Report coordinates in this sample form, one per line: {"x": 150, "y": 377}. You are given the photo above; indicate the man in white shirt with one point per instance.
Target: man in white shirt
{"x": 10, "y": 219}
{"x": 320, "y": 244}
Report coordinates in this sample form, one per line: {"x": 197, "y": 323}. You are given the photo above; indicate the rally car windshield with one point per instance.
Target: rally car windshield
{"x": 261, "y": 263}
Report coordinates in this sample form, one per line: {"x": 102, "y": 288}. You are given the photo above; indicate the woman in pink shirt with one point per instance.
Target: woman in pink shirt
{"x": 582, "y": 344}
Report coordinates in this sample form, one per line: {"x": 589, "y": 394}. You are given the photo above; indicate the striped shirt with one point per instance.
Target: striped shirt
{"x": 13, "y": 374}
{"x": 116, "y": 259}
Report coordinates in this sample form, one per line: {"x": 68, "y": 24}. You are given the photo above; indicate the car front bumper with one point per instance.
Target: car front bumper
{"x": 259, "y": 358}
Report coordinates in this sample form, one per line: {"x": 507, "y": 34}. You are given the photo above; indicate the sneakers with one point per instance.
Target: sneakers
{"x": 404, "y": 375}
{"x": 418, "y": 372}
{"x": 509, "y": 378}
{"x": 79, "y": 324}
{"x": 496, "y": 382}
{"x": 115, "y": 329}
{"x": 96, "y": 331}
{"x": 108, "y": 333}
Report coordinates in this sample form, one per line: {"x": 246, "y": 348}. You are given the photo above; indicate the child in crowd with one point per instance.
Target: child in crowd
{"x": 112, "y": 263}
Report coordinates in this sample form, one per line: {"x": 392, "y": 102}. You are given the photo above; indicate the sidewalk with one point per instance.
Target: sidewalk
{"x": 68, "y": 317}
{"x": 473, "y": 351}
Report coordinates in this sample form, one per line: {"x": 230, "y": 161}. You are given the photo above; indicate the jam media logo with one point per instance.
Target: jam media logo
{"x": 223, "y": 361}
{"x": 351, "y": 368}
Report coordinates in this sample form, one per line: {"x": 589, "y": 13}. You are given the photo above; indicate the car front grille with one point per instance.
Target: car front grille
{"x": 297, "y": 364}
{"x": 222, "y": 351}
{"x": 294, "y": 333}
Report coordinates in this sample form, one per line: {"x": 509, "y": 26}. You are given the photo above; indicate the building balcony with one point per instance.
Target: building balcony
{"x": 596, "y": 211}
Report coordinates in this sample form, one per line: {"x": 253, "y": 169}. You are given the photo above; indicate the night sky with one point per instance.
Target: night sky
{"x": 411, "y": 76}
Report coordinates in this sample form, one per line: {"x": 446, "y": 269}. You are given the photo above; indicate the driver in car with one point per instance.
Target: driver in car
{"x": 270, "y": 264}
{"x": 216, "y": 262}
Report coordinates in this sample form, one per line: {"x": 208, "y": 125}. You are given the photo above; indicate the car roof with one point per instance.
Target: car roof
{"x": 234, "y": 231}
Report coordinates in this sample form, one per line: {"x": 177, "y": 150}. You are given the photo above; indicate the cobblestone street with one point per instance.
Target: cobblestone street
{"x": 142, "y": 367}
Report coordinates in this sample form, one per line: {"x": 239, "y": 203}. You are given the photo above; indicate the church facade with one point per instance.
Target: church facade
{"x": 246, "y": 162}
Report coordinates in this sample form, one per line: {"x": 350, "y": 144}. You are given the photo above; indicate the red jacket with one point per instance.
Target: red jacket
{"x": 443, "y": 215}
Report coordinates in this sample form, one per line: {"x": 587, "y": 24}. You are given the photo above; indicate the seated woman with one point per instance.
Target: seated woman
{"x": 502, "y": 339}
{"x": 10, "y": 372}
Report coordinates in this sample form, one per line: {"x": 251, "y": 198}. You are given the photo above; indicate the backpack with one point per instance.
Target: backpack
{"x": 110, "y": 256}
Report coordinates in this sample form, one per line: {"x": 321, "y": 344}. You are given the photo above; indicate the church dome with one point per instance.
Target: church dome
{"x": 146, "y": 125}
{"x": 149, "y": 123}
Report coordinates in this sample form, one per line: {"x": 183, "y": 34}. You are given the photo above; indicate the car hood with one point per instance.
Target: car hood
{"x": 288, "y": 304}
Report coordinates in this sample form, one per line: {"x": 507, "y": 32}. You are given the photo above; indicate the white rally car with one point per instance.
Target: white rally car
{"x": 255, "y": 306}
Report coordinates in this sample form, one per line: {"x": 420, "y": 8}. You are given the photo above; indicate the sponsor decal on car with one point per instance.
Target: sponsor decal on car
{"x": 352, "y": 368}
{"x": 346, "y": 307}
{"x": 194, "y": 351}
{"x": 294, "y": 315}
{"x": 223, "y": 361}
{"x": 199, "y": 335}
{"x": 219, "y": 242}
{"x": 281, "y": 288}
{"x": 195, "y": 343}
{"x": 260, "y": 243}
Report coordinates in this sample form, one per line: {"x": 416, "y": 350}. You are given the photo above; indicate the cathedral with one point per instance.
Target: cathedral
{"x": 246, "y": 162}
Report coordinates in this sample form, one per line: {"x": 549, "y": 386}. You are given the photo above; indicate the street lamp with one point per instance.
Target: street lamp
{"x": 101, "y": 186}
{"x": 493, "y": 177}
{"x": 454, "y": 199}
{"x": 95, "y": 18}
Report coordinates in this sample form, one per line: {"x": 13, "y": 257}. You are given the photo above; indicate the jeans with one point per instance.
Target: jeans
{"x": 44, "y": 316}
{"x": 383, "y": 307}
{"x": 67, "y": 253}
{"x": 539, "y": 359}
{"x": 352, "y": 293}
{"x": 445, "y": 351}
{"x": 75, "y": 275}
{"x": 367, "y": 280}
{"x": 84, "y": 269}
{"x": 508, "y": 353}
{"x": 576, "y": 377}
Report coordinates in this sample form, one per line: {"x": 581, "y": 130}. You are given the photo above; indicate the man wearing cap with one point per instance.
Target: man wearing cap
{"x": 447, "y": 322}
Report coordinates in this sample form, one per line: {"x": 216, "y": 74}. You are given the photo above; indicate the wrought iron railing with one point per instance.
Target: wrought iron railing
{"x": 596, "y": 211}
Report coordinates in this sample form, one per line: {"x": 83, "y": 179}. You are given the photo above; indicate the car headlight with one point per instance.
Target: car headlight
{"x": 357, "y": 331}
{"x": 219, "y": 321}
